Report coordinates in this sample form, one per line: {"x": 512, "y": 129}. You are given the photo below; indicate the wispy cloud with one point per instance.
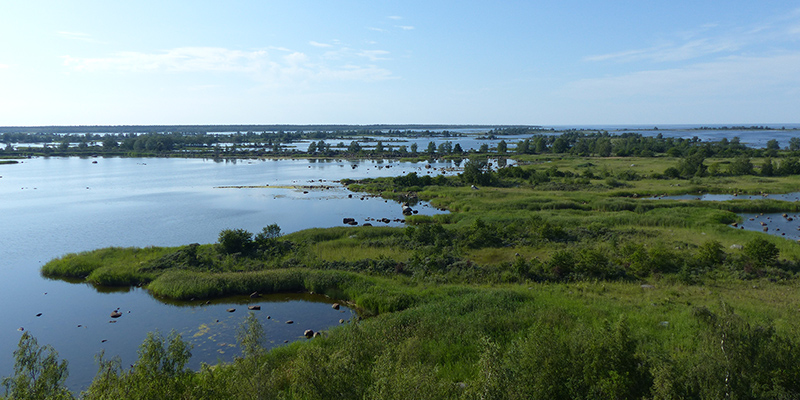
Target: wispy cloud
{"x": 289, "y": 69}
{"x": 182, "y": 59}
{"x": 84, "y": 37}
{"x": 405, "y": 27}
{"x": 713, "y": 39}
{"x": 318, "y": 44}
{"x": 672, "y": 52}
{"x": 727, "y": 76}
{"x": 374, "y": 55}
{"x": 372, "y": 28}
{"x": 4, "y": 66}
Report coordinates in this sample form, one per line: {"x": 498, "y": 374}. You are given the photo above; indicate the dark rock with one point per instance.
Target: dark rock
{"x": 116, "y": 314}
{"x": 231, "y": 310}
{"x": 289, "y": 322}
{"x": 253, "y": 307}
{"x": 308, "y": 333}
{"x": 335, "y": 306}
{"x": 39, "y": 314}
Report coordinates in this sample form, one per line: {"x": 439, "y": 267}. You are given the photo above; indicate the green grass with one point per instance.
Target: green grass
{"x": 524, "y": 290}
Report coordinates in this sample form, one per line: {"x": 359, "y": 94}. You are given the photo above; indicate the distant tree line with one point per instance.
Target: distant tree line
{"x": 390, "y": 143}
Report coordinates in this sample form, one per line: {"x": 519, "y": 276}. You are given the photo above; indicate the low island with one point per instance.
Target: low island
{"x": 563, "y": 268}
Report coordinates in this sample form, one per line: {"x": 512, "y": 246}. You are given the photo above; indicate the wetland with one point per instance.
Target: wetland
{"x": 571, "y": 263}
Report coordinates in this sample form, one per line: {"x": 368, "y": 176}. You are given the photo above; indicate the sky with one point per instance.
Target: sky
{"x": 541, "y": 62}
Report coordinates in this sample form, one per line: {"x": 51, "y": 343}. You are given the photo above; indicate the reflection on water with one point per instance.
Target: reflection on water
{"x": 53, "y": 206}
{"x": 794, "y": 196}
{"x": 778, "y": 224}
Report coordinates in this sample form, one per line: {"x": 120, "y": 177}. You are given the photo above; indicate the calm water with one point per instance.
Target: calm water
{"x": 776, "y": 223}
{"x": 53, "y": 206}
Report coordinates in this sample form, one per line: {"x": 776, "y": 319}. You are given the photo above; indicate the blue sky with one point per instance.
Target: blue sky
{"x": 395, "y": 62}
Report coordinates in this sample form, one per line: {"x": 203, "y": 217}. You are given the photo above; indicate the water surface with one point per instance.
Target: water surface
{"x": 53, "y": 206}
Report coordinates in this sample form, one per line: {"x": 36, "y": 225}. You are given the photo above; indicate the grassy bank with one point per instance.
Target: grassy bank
{"x": 559, "y": 278}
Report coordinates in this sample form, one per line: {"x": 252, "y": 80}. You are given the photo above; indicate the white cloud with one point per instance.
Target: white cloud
{"x": 85, "y": 37}
{"x": 318, "y": 44}
{"x": 671, "y": 52}
{"x": 372, "y": 28}
{"x": 405, "y": 27}
{"x": 715, "y": 40}
{"x": 290, "y": 69}
{"x": 182, "y": 59}
{"x": 374, "y": 55}
{"x": 4, "y": 66}
{"x": 729, "y": 76}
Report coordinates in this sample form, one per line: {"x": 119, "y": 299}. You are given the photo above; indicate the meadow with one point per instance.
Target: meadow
{"x": 561, "y": 277}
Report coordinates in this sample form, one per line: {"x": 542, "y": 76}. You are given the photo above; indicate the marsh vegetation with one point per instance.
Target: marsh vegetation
{"x": 559, "y": 277}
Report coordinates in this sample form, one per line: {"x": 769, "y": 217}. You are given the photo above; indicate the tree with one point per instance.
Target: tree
{"x": 431, "y": 148}
{"x": 540, "y": 146}
{"x": 354, "y": 147}
{"x": 794, "y": 144}
{"x": 379, "y": 147}
{"x": 110, "y": 142}
{"x": 523, "y": 147}
{"x": 477, "y": 172}
{"x": 603, "y": 147}
{"x": 268, "y": 237}
{"x": 502, "y": 147}
{"x": 484, "y": 148}
{"x": 772, "y": 148}
{"x": 414, "y": 148}
{"x": 235, "y": 241}
{"x": 251, "y": 337}
{"x": 560, "y": 145}
{"x": 772, "y": 144}
{"x": 741, "y": 166}
{"x": 159, "y": 373}
{"x": 768, "y": 168}
{"x": 312, "y": 147}
{"x": 445, "y": 147}
{"x": 37, "y": 372}
{"x": 457, "y": 149}
{"x": 692, "y": 165}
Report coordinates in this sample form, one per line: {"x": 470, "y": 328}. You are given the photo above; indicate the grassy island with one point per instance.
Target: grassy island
{"x": 563, "y": 276}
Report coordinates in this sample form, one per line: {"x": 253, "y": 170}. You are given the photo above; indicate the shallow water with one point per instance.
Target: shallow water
{"x": 775, "y": 223}
{"x": 53, "y": 206}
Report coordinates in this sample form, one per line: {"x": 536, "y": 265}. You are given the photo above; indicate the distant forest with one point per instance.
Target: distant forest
{"x": 233, "y": 128}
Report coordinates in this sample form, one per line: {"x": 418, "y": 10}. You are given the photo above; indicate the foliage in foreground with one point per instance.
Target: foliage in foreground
{"x": 477, "y": 344}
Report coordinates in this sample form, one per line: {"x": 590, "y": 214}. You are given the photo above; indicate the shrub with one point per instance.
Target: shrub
{"x": 37, "y": 372}
{"x": 761, "y": 252}
{"x": 233, "y": 241}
